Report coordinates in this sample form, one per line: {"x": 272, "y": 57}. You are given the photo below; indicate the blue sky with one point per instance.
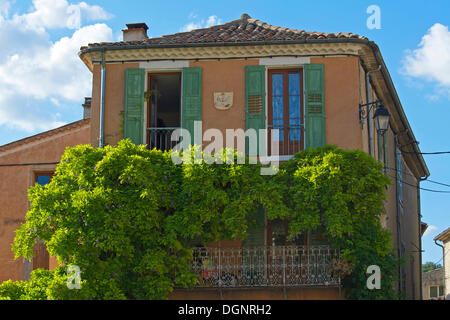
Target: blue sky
{"x": 43, "y": 82}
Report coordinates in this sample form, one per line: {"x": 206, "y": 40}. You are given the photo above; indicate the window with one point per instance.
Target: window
{"x": 41, "y": 258}
{"x": 286, "y": 110}
{"x": 164, "y": 109}
{"x": 436, "y": 291}
{"x": 43, "y": 178}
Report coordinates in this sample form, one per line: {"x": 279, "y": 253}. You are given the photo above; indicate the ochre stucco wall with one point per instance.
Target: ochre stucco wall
{"x": 114, "y": 102}
{"x": 223, "y": 76}
{"x": 342, "y": 98}
{"x": 14, "y": 183}
{"x": 409, "y": 235}
{"x": 342, "y": 90}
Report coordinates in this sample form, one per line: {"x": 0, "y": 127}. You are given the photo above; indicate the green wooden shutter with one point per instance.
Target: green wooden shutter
{"x": 192, "y": 100}
{"x": 133, "y": 127}
{"x": 382, "y": 149}
{"x": 255, "y": 103}
{"x": 314, "y": 106}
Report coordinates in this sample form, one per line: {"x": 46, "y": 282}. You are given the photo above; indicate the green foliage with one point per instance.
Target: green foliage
{"x": 128, "y": 216}
{"x": 340, "y": 193}
{"x": 13, "y": 290}
{"x": 105, "y": 211}
{"x": 39, "y": 287}
{"x": 429, "y": 266}
{"x": 217, "y": 199}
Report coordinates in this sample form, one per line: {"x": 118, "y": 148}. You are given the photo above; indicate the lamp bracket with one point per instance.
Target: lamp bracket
{"x": 365, "y": 109}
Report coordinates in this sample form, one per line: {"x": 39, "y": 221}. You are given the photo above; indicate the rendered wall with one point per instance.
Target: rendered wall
{"x": 14, "y": 183}
{"x": 114, "y": 102}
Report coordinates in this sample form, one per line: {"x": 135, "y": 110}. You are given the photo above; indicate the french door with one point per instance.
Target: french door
{"x": 286, "y": 110}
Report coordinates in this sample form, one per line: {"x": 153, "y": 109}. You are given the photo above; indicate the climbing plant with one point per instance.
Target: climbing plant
{"x": 128, "y": 216}
{"x": 340, "y": 193}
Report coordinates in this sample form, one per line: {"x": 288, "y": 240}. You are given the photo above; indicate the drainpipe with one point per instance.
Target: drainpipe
{"x": 102, "y": 103}
{"x": 443, "y": 261}
{"x": 369, "y": 114}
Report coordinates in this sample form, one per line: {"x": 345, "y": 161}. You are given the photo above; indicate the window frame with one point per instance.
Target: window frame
{"x": 149, "y": 86}
{"x": 37, "y": 174}
{"x": 148, "y": 104}
{"x": 285, "y": 145}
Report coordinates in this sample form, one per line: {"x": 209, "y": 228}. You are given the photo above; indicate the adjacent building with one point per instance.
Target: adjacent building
{"x": 444, "y": 237}
{"x": 24, "y": 163}
{"x": 433, "y": 284}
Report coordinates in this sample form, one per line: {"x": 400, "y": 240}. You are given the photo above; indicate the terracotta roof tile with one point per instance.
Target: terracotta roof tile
{"x": 245, "y": 29}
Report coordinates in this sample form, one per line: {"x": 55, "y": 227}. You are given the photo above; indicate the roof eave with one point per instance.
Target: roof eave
{"x": 125, "y": 46}
{"x": 399, "y": 107}
{"x": 443, "y": 236}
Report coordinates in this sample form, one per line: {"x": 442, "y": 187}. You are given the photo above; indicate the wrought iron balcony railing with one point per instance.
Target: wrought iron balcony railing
{"x": 290, "y": 140}
{"x": 275, "y": 266}
{"x": 161, "y": 138}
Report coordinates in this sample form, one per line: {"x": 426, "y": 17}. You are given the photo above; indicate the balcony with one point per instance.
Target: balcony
{"x": 277, "y": 266}
{"x": 160, "y": 138}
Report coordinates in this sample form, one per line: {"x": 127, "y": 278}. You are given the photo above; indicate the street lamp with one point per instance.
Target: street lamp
{"x": 381, "y": 119}
{"x": 381, "y": 116}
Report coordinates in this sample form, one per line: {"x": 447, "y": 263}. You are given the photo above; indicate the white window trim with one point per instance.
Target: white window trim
{"x": 162, "y": 66}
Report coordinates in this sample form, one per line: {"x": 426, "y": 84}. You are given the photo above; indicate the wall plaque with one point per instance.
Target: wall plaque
{"x": 223, "y": 100}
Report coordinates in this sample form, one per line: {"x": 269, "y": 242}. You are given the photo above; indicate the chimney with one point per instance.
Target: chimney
{"x": 135, "y": 32}
{"x": 87, "y": 108}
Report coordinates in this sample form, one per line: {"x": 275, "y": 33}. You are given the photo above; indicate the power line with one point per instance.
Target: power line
{"x": 428, "y": 153}
{"x": 424, "y": 189}
{"x": 423, "y": 153}
{"x": 428, "y": 180}
{"x": 443, "y": 256}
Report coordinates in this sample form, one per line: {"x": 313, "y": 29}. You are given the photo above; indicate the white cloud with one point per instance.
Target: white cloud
{"x": 431, "y": 60}
{"x": 50, "y": 14}
{"x": 4, "y": 8}
{"x": 39, "y": 76}
{"x": 211, "y": 21}
{"x": 430, "y": 230}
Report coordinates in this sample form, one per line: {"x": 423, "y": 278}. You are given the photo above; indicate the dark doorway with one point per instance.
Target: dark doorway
{"x": 164, "y": 109}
